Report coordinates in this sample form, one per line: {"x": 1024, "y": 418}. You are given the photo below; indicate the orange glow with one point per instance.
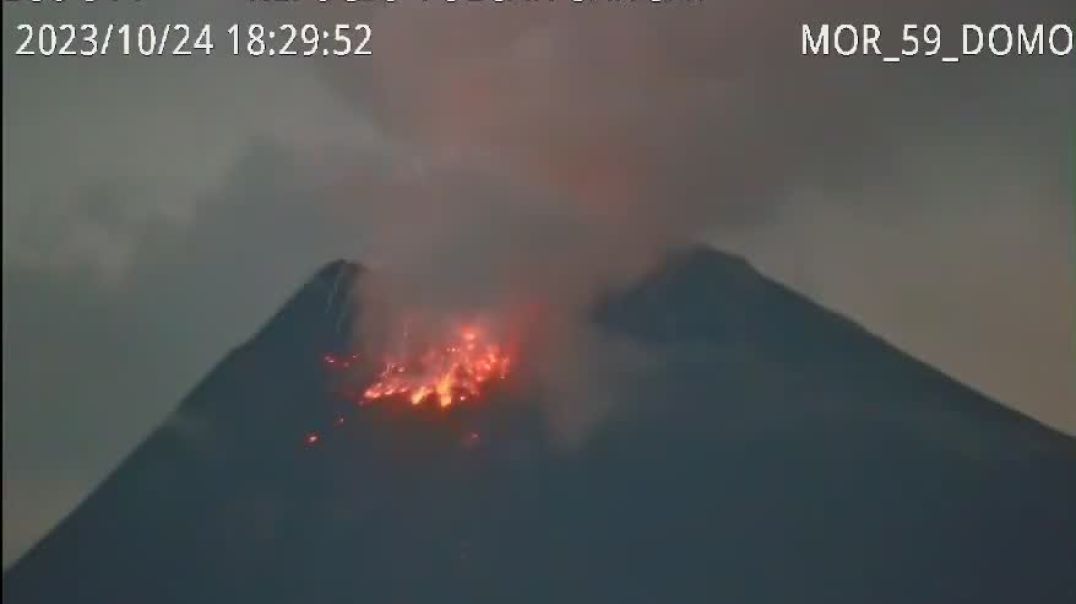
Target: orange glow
{"x": 455, "y": 372}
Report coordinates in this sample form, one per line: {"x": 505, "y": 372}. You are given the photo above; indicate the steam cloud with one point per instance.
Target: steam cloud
{"x": 539, "y": 146}
{"x": 543, "y": 152}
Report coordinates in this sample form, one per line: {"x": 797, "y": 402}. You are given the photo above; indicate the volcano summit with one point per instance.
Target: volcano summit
{"x": 770, "y": 451}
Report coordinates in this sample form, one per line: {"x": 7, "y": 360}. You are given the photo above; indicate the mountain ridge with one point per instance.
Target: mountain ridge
{"x": 823, "y": 449}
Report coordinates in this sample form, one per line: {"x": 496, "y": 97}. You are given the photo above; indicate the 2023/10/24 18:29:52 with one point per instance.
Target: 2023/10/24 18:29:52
{"x": 180, "y": 39}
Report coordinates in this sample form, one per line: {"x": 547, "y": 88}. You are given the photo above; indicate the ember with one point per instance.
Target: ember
{"x": 471, "y": 440}
{"x": 340, "y": 362}
{"x": 455, "y": 372}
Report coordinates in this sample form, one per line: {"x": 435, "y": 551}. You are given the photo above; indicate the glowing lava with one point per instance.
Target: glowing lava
{"x": 452, "y": 373}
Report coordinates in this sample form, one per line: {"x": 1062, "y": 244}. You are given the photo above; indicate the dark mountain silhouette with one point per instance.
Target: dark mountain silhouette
{"x": 769, "y": 451}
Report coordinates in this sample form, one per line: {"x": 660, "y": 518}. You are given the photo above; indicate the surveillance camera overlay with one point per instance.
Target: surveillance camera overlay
{"x": 550, "y": 301}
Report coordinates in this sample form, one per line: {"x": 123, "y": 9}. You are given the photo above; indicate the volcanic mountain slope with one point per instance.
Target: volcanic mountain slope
{"x": 769, "y": 451}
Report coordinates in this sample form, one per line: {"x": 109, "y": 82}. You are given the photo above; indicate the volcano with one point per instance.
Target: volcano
{"x": 769, "y": 451}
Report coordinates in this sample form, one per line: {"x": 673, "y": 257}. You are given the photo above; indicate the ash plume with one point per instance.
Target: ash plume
{"x": 538, "y": 155}
{"x": 536, "y": 146}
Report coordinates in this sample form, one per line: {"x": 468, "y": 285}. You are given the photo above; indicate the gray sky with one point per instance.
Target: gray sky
{"x": 158, "y": 210}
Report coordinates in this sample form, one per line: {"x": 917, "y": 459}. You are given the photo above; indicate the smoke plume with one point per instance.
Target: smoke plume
{"x": 540, "y": 153}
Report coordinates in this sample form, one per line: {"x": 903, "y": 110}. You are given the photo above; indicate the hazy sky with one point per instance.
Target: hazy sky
{"x": 158, "y": 210}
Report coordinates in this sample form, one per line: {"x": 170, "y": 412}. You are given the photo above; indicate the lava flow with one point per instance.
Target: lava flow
{"x": 451, "y": 373}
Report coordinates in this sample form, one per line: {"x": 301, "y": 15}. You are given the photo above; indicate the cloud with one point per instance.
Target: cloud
{"x": 112, "y": 150}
